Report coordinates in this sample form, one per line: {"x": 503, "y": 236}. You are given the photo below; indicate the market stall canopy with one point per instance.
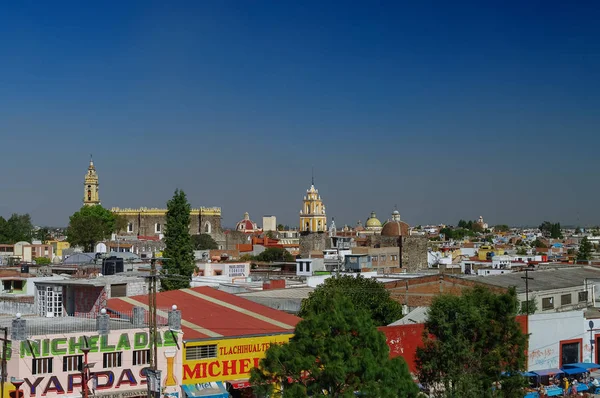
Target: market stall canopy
{"x": 584, "y": 365}
{"x": 547, "y": 372}
{"x": 574, "y": 370}
{"x": 206, "y": 390}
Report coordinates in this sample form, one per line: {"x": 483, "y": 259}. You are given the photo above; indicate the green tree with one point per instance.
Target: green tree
{"x": 42, "y": 261}
{"x": 280, "y": 227}
{"x": 532, "y": 308}
{"x": 470, "y": 340}
{"x": 501, "y": 228}
{"x": 365, "y": 293}
{"x": 42, "y": 234}
{"x": 539, "y": 243}
{"x": 16, "y": 229}
{"x": 204, "y": 242}
{"x": 476, "y": 227}
{"x": 521, "y": 251}
{"x": 462, "y": 224}
{"x": 585, "y": 250}
{"x": 336, "y": 351}
{"x": 179, "y": 249}
{"x": 270, "y": 235}
{"x": 120, "y": 223}
{"x": 90, "y": 225}
{"x": 275, "y": 254}
{"x": 551, "y": 230}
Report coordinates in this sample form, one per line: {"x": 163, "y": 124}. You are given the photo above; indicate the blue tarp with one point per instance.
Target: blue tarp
{"x": 206, "y": 390}
{"x": 584, "y": 365}
{"x": 547, "y": 372}
{"x": 573, "y": 370}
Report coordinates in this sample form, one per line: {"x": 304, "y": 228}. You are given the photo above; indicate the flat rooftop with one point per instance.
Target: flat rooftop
{"x": 546, "y": 279}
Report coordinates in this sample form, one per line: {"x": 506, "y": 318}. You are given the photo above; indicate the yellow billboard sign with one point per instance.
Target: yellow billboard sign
{"x": 225, "y": 359}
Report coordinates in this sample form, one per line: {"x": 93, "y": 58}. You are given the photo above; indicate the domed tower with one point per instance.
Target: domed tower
{"x": 91, "y": 195}
{"x": 312, "y": 215}
{"x": 373, "y": 223}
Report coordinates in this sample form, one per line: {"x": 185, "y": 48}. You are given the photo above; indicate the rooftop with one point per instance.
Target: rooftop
{"x": 288, "y": 293}
{"x": 548, "y": 279}
{"x": 96, "y": 282}
{"x": 210, "y": 313}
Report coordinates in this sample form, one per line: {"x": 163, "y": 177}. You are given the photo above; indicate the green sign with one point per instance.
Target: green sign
{"x": 96, "y": 343}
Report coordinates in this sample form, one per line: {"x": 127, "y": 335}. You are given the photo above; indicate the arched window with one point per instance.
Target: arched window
{"x": 307, "y": 226}
{"x": 317, "y": 209}
{"x": 307, "y": 208}
{"x": 89, "y": 194}
{"x": 207, "y": 228}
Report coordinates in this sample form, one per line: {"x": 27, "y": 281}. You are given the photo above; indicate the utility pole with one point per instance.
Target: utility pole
{"x": 4, "y": 370}
{"x": 152, "y": 309}
{"x": 527, "y": 279}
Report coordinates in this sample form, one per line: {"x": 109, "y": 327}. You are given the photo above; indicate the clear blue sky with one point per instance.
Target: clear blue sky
{"x": 448, "y": 109}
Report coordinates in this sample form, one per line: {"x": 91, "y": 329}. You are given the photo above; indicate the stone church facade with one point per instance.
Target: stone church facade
{"x": 145, "y": 221}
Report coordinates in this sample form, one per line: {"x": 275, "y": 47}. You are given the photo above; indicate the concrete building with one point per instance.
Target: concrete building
{"x": 269, "y": 223}
{"x": 109, "y": 355}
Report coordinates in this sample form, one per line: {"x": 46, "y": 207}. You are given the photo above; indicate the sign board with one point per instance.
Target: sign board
{"x": 237, "y": 270}
{"x": 232, "y": 360}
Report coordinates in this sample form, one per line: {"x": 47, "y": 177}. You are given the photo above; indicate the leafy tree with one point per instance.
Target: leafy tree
{"x": 280, "y": 227}
{"x": 89, "y": 225}
{"x": 522, "y": 251}
{"x": 448, "y": 233}
{"x": 16, "y": 229}
{"x": 365, "y": 294}
{"x": 501, "y": 228}
{"x": 585, "y": 250}
{"x": 462, "y": 224}
{"x": 204, "y": 242}
{"x": 270, "y": 235}
{"x": 476, "y": 227}
{"x": 42, "y": 234}
{"x": 179, "y": 249}
{"x": 539, "y": 243}
{"x": 42, "y": 261}
{"x": 551, "y": 230}
{"x": 275, "y": 254}
{"x": 532, "y": 306}
{"x": 120, "y": 223}
{"x": 470, "y": 341}
{"x": 336, "y": 351}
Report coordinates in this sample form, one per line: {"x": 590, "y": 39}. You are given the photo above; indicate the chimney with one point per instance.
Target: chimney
{"x": 18, "y": 331}
{"x": 174, "y": 318}
{"x": 139, "y": 316}
{"x": 103, "y": 323}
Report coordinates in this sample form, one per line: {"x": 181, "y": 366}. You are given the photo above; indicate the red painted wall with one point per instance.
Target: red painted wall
{"x": 403, "y": 340}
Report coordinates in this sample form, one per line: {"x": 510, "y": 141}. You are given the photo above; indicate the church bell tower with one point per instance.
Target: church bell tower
{"x": 90, "y": 193}
{"x": 312, "y": 215}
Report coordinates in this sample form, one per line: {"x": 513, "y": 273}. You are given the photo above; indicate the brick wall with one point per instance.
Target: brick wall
{"x": 317, "y": 241}
{"x": 89, "y": 299}
{"x": 419, "y": 292}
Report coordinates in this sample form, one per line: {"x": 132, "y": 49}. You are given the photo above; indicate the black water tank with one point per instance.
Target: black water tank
{"x": 112, "y": 265}
{"x": 24, "y": 268}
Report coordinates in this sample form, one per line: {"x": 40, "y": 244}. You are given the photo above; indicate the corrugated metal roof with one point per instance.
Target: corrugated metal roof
{"x": 418, "y": 315}
{"x": 207, "y": 312}
{"x": 291, "y": 293}
{"x": 549, "y": 279}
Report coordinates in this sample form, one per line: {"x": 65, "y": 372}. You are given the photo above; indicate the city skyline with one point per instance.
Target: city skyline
{"x": 449, "y": 111}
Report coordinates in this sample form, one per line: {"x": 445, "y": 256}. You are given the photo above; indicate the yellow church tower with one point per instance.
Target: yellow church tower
{"x": 90, "y": 193}
{"x": 312, "y": 215}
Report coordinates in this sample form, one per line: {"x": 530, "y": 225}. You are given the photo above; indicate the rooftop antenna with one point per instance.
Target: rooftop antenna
{"x": 313, "y": 176}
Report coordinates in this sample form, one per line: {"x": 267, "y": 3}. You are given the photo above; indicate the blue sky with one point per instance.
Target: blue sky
{"x": 447, "y": 109}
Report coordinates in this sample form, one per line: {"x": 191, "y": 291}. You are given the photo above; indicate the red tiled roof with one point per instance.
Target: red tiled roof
{"x": 207, "y": 312}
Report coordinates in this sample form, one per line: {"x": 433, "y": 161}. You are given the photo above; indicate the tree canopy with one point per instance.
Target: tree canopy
{"x": 336, "y": 351}
{"x": 585, "y": 250}
{"x": 275, "y": 254}
{"x": 470, "y": 340}
{"x": 364, "y": 293}
{"x": 16, "y": 229}
{"x": 551, "y": 230}
{"x": 502, "y": 228}
{"x": 204, "y": 242}
{"x": 179, "y": 249}
{"x": 89, "y": 225}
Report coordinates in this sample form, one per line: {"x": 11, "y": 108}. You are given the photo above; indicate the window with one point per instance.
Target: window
{"x": 141, "y": 357}
{"x": 207, "y": 228}
{"x": 548, "y": 303}
{"x": 130, "y": 227}
{"x": 72, "y": 363}
{"x": 301, "y": 267}
{"x": 50, "y": 301}
{"x": 41, "y": 366}
{"x": 7, "y": 285}
{"x": 583, "y": 296}
{"x": 565, "y": 299}
{"x": 570, "y": 352}
{"x": 18, "y": 285}
{"x": 157, "y": 228}
{"x": 307, "y": 267}
{"x": 201, "y": 352}
{"x": 111, "y": 359}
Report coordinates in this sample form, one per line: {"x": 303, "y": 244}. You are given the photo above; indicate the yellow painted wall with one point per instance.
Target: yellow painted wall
{"x": 484, "y": 250}
{"x": 233, "y": 361}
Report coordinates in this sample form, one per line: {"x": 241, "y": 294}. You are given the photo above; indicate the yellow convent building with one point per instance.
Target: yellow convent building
{"x": 91, "y": 195}
{"x": 312, "y": 215}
